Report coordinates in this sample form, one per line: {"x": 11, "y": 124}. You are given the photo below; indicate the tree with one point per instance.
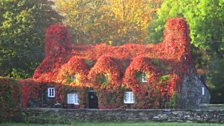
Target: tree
{"x": 133, "y": 17}
{"x": 216, "y": 79}
{"x": 115, "y": 21}
{"x": 206, "y": 22}
{"x": 205, "y": 19}
{"x": 84, "y": 17}
{"x": 22, "y": 25}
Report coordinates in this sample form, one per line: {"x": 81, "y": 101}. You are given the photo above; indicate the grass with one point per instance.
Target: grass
{"x": 113, "y": 124}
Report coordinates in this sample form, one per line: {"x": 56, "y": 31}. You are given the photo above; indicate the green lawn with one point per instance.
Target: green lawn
{"x": 114, "y": 124}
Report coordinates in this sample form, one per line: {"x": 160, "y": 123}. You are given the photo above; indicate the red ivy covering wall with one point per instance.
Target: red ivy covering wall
{"x": 118, "y": 66}
{"x": 109, "y": 67}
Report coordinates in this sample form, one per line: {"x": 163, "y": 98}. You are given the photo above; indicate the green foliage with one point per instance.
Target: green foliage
{"x": 114, "y": 22}
{"x": 205, "y": 19}
{"x": 217, "y": 79}
{"x": 218, "y": 75}
{"x": 155, "y": 62}
{"x": 89, "y": 62}
{"x": 82, "y": 16}
{"x": 172, "y": 102}
{"x": 22, "y": 24}
{"x": 140, "y": 75}
{"x": 102, "y": 79}
{"x": 164, "y": 77}
{"x": 70, "y": 79}
{"x": 206, "y": 22}
{"x": 9, "y": 99}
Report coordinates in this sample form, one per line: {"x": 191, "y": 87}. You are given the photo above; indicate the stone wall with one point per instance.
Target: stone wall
{"x": 55, "y": 115}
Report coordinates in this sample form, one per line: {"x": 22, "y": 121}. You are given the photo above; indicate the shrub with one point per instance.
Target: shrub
{"x": 9, "y": 98}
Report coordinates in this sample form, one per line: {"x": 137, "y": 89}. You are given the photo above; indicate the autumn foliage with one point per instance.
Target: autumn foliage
{"x": 111, "y": 70}
{"x": 113, "y": 21}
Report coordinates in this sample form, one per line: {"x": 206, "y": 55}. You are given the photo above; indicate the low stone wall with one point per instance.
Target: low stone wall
{"x": 55, "y": 115}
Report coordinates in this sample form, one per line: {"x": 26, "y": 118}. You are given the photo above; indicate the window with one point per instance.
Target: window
{"x": 129, "y": 97}
{"x": 203, "y": 90}
{"x": 143, "y": 76}
{"x": 72, "y": 98}
{"x": 51, "y": 92}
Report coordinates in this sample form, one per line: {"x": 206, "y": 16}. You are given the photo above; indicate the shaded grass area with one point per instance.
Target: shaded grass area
{"x": 114, "y": 124}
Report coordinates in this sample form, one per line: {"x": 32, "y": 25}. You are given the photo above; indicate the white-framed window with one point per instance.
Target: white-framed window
{"x": 129, "y": 97}
{"x": 72, "y": 98}
{"x": 51, "y": 92}
{"x": 203, "y": 90}
{"x": 143, "y": 77}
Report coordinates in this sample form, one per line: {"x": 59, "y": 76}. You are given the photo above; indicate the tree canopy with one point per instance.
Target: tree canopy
{"x": 206, "y": 22}
{"x": 205, "y": 19}
{"x": 113, "y": 21}
{"x": 22, "y": 27}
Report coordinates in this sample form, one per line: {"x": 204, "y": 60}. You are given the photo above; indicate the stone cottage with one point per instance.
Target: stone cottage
{"x": 110, "y": 77}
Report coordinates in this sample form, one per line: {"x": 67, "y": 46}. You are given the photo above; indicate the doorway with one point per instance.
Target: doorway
{"x": 92, "y": 99}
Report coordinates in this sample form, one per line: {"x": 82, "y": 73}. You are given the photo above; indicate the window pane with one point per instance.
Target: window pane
{"x": 51, "y": 92}
{"x": 144, "y": 77}
{"x": 76, "y": 100}
{"x": 72, "y": 98}
{"x": 128, "y": 97}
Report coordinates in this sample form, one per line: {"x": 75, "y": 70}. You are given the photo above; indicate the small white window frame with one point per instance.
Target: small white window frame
{"x": 203, "y": 91}
{"x": 72, "y": 98}
{"x": 51, "y": 92}
{"x": 129, "y": 97}
{"x": 143, "y": 77}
